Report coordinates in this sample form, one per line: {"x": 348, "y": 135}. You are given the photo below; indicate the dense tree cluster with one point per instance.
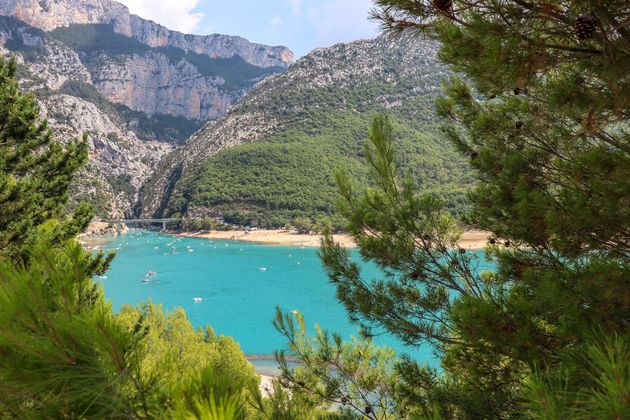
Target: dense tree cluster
{"x": 543, "y": 117}
{"x": 289, "y": 175}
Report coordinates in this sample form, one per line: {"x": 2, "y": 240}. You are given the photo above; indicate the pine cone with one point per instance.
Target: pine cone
{"x": 445, "y": 6}
{"x": 585, "y": 27}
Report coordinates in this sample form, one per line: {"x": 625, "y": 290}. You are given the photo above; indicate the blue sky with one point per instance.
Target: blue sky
{"x": 299, "y": 24}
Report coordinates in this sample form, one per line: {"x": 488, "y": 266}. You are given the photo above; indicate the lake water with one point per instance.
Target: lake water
{"x": 240, "y": 285}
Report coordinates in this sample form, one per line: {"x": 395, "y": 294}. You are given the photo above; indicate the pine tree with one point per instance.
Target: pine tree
{"x": 35, "y": 171}
{"x": 63, "y": 352}
{"x": 543, "y": 116}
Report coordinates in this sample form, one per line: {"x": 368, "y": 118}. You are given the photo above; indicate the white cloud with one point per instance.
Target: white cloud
{"x": 275, "y": 24}
{"x": 178, "y": 15}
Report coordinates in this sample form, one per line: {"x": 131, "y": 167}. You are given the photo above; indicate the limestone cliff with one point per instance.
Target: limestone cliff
{"x": 51, "y": 14}
{"x": 119, "y": 162}
{"x": 133, "y": 86}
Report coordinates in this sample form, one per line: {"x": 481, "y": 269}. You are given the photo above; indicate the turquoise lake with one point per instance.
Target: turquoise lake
{"x": 240, "y": 285}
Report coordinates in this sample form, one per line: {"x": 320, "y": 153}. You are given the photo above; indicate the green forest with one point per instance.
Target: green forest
{"x": 540, "y": 113}
{"x": 290, "y": 174}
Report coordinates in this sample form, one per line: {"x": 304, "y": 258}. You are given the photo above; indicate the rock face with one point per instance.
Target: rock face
{"x": 142, "y": 65}
{"x": 152, "y": 84}
{"x": 51, "y": 14}
{"x": 327, "y": 80}
{"x": 134, "y": 86}
{"x": 214, "y": 46}
{"x": 50, "y": 60}
{"x": 119, "y": 163}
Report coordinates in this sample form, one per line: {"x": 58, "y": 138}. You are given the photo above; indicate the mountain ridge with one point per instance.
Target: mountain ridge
{"x": 52, "y": 14}
{"x": 322, "y": 107}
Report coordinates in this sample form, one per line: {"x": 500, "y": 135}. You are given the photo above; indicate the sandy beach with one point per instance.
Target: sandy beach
{"x": 271, "y": 237}
{"x": 472, "y": 239}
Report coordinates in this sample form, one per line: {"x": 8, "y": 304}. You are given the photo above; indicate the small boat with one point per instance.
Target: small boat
{"x": 146, "y": 281}
{"x": 294, "y": 312}
{"x": 102, "y": 277}
{"x": 191, "y": 250}
{"x": 262, "y": 268}
{"x": 197, "y": 299}
{"x": 151, "y": 273}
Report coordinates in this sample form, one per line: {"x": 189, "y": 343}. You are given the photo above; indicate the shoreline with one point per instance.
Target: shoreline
{"x": 471, "y": 239}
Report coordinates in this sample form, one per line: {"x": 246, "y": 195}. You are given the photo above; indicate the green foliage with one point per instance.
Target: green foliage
{"x": 604, "y": 381}
{"x": 290, "y": 174}
{"x": 357, "y": 376}
{"x": 545, "y": 334}
{"x": 89, "y": 38}
{"x": 193, "y": 371}
{"x": 303, "y": 225}
{"x": 64, "y": 353}
{"x": 35, "y": 171}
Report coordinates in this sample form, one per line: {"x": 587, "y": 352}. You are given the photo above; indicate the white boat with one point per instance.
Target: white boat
{"x": 197, "y": 299}
{"x": 151, "y": 273}
{"x": 263, "y": 268}
{"x": 146, "y": 281}
{"x": 102, "y": 277}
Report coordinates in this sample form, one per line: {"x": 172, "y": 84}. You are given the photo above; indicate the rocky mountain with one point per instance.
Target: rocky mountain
{"x": 275, "y": 151}
{"x": 144, "y": 66}
{"x": 135, "y": 87}
{"x": 48, "y": 15}
{"x": 119, "y": 163}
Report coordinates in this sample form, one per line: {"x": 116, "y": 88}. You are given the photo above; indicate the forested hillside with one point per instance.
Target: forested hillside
{"x": 273, "y": 157}
{"x": 135, "y": 101}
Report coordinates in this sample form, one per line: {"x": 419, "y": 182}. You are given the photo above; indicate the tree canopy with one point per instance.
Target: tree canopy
{"x": 35, "y": 171}
{"x": 541, "y": 111}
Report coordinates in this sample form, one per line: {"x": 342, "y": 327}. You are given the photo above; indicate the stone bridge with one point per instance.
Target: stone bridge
{"x": 120, "y": 222}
